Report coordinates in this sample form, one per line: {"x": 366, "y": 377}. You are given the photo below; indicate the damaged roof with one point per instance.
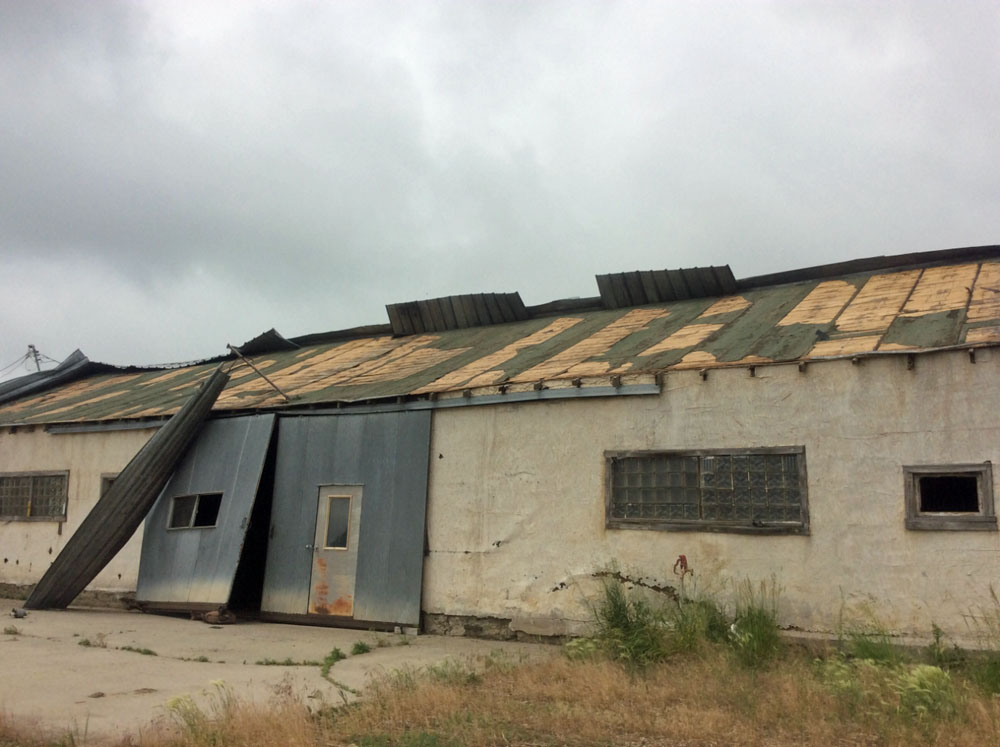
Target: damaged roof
{"x": 910, "y": 304}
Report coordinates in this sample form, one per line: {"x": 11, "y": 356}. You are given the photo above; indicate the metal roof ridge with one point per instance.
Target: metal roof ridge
{"x": 870, "y": 264}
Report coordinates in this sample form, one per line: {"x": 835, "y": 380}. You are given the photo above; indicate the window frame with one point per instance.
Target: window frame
{"x": 347, "y": 533}
{"x": 800, "y": 527}
{"x": 194, "y": 511}
{"x": 983, "y": 520}
{"x": 59, "y": 518}
{"x": 107, "y": 480}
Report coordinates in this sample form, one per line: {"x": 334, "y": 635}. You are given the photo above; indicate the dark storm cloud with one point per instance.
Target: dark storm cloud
{"x": 187, "y": 174}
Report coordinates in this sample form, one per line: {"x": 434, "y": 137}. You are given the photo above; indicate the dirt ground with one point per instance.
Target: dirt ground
{"x": 101, "y": 690}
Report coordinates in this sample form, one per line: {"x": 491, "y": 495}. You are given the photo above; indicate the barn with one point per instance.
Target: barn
{"x": 475, "y": 464}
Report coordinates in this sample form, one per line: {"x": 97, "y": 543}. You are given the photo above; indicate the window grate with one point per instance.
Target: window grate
{"x": 705, "y": 488}
{"x": 33, "y": 496}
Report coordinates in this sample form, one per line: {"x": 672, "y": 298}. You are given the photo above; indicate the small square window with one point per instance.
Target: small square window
{"x": 106, "y": 482}
{"x": 195, "y": 511}
{"x": 950, "y": 497}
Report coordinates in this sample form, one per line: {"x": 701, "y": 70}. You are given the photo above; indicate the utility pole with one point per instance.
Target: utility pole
{"x": 33, "y": 352}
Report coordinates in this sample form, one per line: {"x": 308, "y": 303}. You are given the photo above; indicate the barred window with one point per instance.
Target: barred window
{"x": 730, "y": 490}
{"x": 33, "y": 496}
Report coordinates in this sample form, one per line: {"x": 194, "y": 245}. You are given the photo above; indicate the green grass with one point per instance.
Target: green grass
{"x": 360, "y": 647}
{"x": 288, "y": 662}
{"x": 628, "y": 627}
{"x": 754, "y": 636}
{"x": 135, "y": 650}
{"x": 329, "y": 660}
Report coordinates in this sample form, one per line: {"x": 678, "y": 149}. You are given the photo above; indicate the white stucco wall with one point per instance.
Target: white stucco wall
{"x": 516, "y": 520}
{"x": 28, "y": 547}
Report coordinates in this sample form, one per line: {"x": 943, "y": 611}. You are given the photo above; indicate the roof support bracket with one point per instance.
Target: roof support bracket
{"x": 258, "y": 372}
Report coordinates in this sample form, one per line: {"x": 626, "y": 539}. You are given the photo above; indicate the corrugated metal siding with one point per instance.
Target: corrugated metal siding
{"x": 386, "y": 453}
{"x": 198, "y": 565}
{"x": 120, "y": 511}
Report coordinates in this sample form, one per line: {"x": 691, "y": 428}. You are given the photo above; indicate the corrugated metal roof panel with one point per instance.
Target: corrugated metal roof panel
{"x": 455, "y": 312}
{"x": 625, "y": 289}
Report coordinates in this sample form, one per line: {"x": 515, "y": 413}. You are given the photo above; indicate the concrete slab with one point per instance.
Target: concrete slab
{"x": 104, "y": 690}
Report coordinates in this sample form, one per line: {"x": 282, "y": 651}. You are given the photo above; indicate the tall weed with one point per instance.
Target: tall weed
{"x": 754, "y": 635}
{"x": 866, "y": 637}
{"x": 925, "y": 692}
{"x": 629, "y": 629}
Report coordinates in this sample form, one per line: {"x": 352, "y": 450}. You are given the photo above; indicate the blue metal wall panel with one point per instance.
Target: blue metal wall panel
{"x": 198, "y": 565}
{"x": 386, "y": 453}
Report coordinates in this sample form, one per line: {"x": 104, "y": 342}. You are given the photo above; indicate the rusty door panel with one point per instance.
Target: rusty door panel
{"x": 335, "y": 556}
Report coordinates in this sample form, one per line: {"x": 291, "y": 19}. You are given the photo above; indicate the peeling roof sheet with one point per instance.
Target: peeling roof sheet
{"x": 915, "y": 309}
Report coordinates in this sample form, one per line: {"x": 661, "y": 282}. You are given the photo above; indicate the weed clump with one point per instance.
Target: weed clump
{"x": 329, "y": 660}
{"x": 360, "y": 647}
{"x": 925, "y": 691}
{"x": 629, "y": 629}
{"x": 754, "y": 635}
{"x": 138, "y": 650}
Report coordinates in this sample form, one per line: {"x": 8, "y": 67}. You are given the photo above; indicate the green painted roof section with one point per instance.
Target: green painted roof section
{"x": 889, "y": 310}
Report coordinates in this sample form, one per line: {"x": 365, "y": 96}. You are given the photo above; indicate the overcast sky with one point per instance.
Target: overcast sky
{"x": 179, "y": 175}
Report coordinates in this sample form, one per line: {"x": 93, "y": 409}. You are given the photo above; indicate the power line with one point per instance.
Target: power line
{"x": 20, "y": 360}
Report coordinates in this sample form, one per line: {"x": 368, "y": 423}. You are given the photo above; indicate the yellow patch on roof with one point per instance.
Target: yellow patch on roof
{"x": 878, "y": 302}
{"x": 166, "y": 376}
{"x": 148, "y": 412}
{"x": 983, "y": 334}
{"x": 472, "y": 371}
{"x": 70, "y": 391}
{"x": 196, "y": 379}
{"x": 589, "y": 368}
{"x": 822, "y": 304}
{"x": 598, "y": 343}
{"x": 696, "y": 359}
{"x": 844, "y": 346}
{"x": 338, "y": 359}
{"x": 686, "y": 337}
{"x": 332, "y": 373}
{"x": 310, "y": 373}
{"x": 725, "y": 306}
{"x": 985, "y": 302}
{"x": 84, "y": 403}
{"x": 941, "y": 289}
{"x": 408, "y": 365}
